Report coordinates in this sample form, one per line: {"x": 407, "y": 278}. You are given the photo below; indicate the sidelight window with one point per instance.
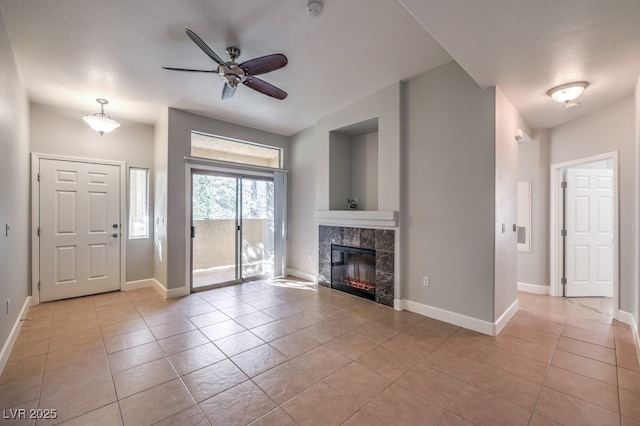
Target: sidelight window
{"x": 138, "y": 203}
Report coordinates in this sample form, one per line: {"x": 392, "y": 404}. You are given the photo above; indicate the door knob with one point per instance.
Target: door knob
{"x": 114, "y": 235}
{"x": 115, "y": 226}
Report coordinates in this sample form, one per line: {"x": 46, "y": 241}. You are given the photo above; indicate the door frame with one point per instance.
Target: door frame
{"x": 555, "y": 240}
{"x": 238, "y": 171}
{"x": 35, "y": 219}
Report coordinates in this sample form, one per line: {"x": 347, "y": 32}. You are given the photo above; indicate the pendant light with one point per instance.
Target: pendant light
{"x": 101, "y": 122}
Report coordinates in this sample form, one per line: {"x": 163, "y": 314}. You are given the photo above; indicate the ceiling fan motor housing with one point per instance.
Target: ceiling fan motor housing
{"x": 232, "y": 73}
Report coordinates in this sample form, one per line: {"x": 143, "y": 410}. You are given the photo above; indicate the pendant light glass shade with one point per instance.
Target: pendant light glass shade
{"x": 101, "y": 122}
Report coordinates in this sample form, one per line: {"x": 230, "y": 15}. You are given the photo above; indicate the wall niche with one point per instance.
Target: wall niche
{"x": 353, "y": 166}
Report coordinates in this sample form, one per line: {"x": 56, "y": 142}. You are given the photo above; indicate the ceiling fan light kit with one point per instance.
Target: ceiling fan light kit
{"x": 568, "y": 93}
{"x": 233, "y": 73}
{"x": 101, "y": 122}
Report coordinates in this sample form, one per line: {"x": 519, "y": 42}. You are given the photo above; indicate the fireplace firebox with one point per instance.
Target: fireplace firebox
{"x": 353, "y": 270}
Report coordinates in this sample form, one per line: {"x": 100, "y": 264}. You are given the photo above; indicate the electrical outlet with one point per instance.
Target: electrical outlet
{"x": 426, "y": 282}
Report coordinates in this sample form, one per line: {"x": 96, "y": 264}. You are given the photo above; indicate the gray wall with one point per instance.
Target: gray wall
{"x": 340, "y": 170}
{"x": 180, "y": 125}
{"x": 506, "y": 174}
{"x": 302, "y": 247}
{"x": 448, "y": 202}
{"x": 609, "y": 129}
{"x": 634, "y": 292}
{"x": 364, "y": 170}
{"x": 384, "y": 107}
{"x": 63, "y": 132}
{"x": 533, "y": 165}
{"x": 14, "y": 188}
{"x": 448, "y": 196}
{"x": 353, "y": 162}
{"x": 160, "y": 184}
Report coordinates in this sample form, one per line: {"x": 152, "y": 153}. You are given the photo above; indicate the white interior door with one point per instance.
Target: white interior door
{"x": 79, "y": 223}
{"x": 589, "y": 225}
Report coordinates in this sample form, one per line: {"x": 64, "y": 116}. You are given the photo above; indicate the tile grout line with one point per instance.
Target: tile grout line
{"x": 546, "y": 373}
{"x": 615, "y": 344}
{"x": 572, "y": 396}
{"x": 453, "y": 400}
{"x": 174, "y": 369}
{"x": 113, "y": 384}
{"x": 341, "y": 309}
{"x": 44, "y": 367}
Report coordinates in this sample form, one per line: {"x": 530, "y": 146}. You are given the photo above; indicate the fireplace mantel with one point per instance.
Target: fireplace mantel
{"x": 357, "y": 218}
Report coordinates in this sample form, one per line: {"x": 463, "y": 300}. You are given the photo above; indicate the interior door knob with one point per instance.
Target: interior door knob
{"x": 114, "y": 235}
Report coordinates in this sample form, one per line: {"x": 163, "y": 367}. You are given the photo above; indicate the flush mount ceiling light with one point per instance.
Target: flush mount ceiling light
{"x": 568, "y": 93}
{"x": 314, "y": 7}
{"x": 101, "y": 122}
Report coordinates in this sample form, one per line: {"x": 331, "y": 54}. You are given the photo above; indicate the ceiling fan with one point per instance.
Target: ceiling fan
{"x": 233, "y": 73}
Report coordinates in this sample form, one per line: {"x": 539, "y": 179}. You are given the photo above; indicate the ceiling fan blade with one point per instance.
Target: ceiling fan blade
{"x": 202, "y": 45}
{"x": 264, "y": 87}
{"x": 187, "y": 69}
{"x": 228, "y": 92}
{"x": 264, "y": 64}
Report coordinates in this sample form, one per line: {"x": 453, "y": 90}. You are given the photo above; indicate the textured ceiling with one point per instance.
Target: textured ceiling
{"x": 73, "y": 51}
{"x": 70, "y": 52}
{"x": 527, "y": 47}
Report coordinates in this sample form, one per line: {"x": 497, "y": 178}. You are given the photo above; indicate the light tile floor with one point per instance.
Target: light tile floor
{"x": 285, "y": 352}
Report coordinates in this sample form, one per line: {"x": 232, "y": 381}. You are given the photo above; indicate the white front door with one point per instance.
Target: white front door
{"x": 79, "y": 228}
{"x": 589, "y": 225}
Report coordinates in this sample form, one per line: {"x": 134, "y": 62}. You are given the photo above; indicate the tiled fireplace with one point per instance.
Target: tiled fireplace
{"x": 358, "y": 159}
{"x": 339, "y": 244}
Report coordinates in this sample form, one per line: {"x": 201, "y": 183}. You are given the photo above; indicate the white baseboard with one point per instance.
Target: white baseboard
{"x": 627, "y": 318}
{"x": 170, "y": 293}
{"x": 475, "y": 324}
{"x": 152, "y": 282}
{"x": 301, "y": 275}
{"x": 13, "y": 335}
{"x": 506, "y": 317}
{"x": 135, "y": 285}
{"x": 534, "y": 288}
{"x": 397, "y": 304}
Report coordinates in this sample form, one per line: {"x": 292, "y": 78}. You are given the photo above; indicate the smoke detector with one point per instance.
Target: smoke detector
{"x": 314, "y": 7}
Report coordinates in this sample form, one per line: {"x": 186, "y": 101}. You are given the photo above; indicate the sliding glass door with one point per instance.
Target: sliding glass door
{"x": 232, "y": 228}
{"x": 214, "y": 226}
{"x": 256, "y": 228}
